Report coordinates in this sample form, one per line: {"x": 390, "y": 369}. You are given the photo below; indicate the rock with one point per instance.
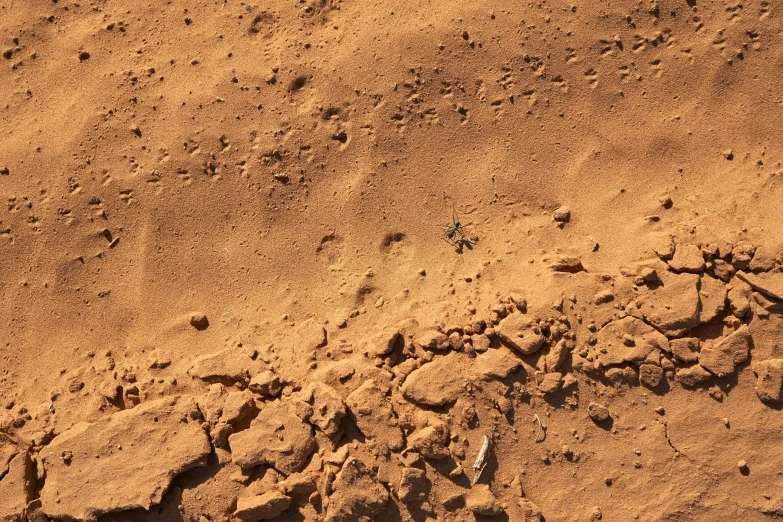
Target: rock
{"x": 238, "y": 408}
{"x": 228, "y": 365}
{"x": 628, "y": 340}
{"x": 770, "y": 379}
{"x": 262, "y": 507}
{"x": 551, "y": 383}
{"x": 414, "y": 485}
{"x": 357, "y": 494}
{"x": 663, "y": 245}
{"x": 266, "y": 383}
{"x": 742, "y": 466}
{"x": 651, "y": 375}
{"x": 570, "y": 265}
{"x": 556, "y": 356}
{"x": 384, "y": 342}
{"x": 687, "y": 258}
{"x": 453, "y": 501}
{"x": 433, "y": 340}
{"x": 327, "y": 409}
{"x": 649, "y": 275}
{"x": 17, "y": 480}
{"x": 671, "y": 306}
{"x": 517, "y": 331}
{"x": 562, "y": 214}
{"x": 441, "y": 381}
{"x": 481, "y": 501}
{"x": 299, "y": 484}
{"x": 598, "y": 412}
{"x": 33, "y": 513}
{"x": 730, "y": 351}
{"x": 431, "y": 442}
{"x": 723, "y": 270}
{"x": 495, "y": 364}
{"x": 199, "y": 321}
{"x": 437, "y": 383}
{"x": 529, "y": 511}
{"x": 764, "y": 258}
{"x": 158, "y": 360}
{"x": 277, "y": 437}
{"x": 141, "y": 450}
{"x": 685, "y": 349}
{"x": 741, "y": 255}
{"x": 712, "y": 297}
{"x": 211, "y": 403}
{"x": 374, "y": 416}
{"x": 604, "y": 296}
{"x": 692, "y": 376}
{"x": 739, "y": 300}
{"x": 771, "y": 284}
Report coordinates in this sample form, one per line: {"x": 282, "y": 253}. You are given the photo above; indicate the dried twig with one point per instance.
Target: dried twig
{"x": 540, "y": 428}
{"x": 481, "y": 460}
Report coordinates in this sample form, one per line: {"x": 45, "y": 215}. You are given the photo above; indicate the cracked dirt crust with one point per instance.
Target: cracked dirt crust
{"x": 243, "y": 204}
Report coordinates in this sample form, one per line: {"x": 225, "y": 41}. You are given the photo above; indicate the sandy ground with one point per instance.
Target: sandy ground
{"x": 226, "y": 290}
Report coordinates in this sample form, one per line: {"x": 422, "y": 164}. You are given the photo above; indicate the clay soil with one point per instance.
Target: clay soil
{"x": 233, "y": 286}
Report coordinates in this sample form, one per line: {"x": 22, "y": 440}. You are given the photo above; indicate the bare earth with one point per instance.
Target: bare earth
{"x": 226, "y": 292}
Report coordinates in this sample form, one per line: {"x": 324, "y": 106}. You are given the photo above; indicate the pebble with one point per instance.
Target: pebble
{"x": 598, "y": 412}
{"x": 660, "y": 410}
{"x": 199, "y": 321}
{"x": 743, "y": 467}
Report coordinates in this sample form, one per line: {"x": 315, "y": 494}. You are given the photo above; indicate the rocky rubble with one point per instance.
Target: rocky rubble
{"x": 365, "y": 438}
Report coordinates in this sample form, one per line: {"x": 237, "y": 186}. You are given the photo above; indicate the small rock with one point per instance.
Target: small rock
{"x": 666, "y": 202}
{"x": 567, "y": 264}
{"x": 692, "y": 376}
{"x": 299, "y": 484}
{"x": 770, "y": 379}
{"x": 742, "y": 466}
{"x": 604, "y": 296}
{"x": 431, "y": 442}
{"x": 728, "y": 154}
{"x": 84, "y": 55}
{"x": 135, "y": 129}
{"x": 598, "y": 412}
{"x": 266, "y": 383}
{"x": 562, "y": 214}
{"x": 453, "y": 501}
{"x": 517, "y": 331}
{"x": 413, "y": 485}
{"x": 433, "y": 340}
{"x": 687, "y": 258}
{"x": 685, "y": 349}
{"x": 262, "y": 507}
{"x": 551, "y": 383}
{"x": 660, "y": 410}
{"x": 651, "y": 375}
{"x": 357, "y": 494}
{"x": 374, "y": 415}
{"x": 199, "y": 321}
{"x": 742, "y": 255}
{"x": 730, "y": 351}
{"x": 277, "y": 437}
{"x": 649, "y": 275}
{"x": 596, "y": 514}
{"x": 481, "y": 501}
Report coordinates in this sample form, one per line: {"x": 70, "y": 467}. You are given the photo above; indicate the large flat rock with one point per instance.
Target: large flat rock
{"x": 442, "y": 381}
{"x": 126, "y": 460}
{"x": 671, "y": 306}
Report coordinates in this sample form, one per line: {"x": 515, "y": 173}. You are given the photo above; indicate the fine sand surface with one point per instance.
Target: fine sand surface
{"x": 226, "y": 293}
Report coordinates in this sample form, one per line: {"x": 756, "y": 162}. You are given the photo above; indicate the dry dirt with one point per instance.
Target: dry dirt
{"x": 226, "y": 292}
